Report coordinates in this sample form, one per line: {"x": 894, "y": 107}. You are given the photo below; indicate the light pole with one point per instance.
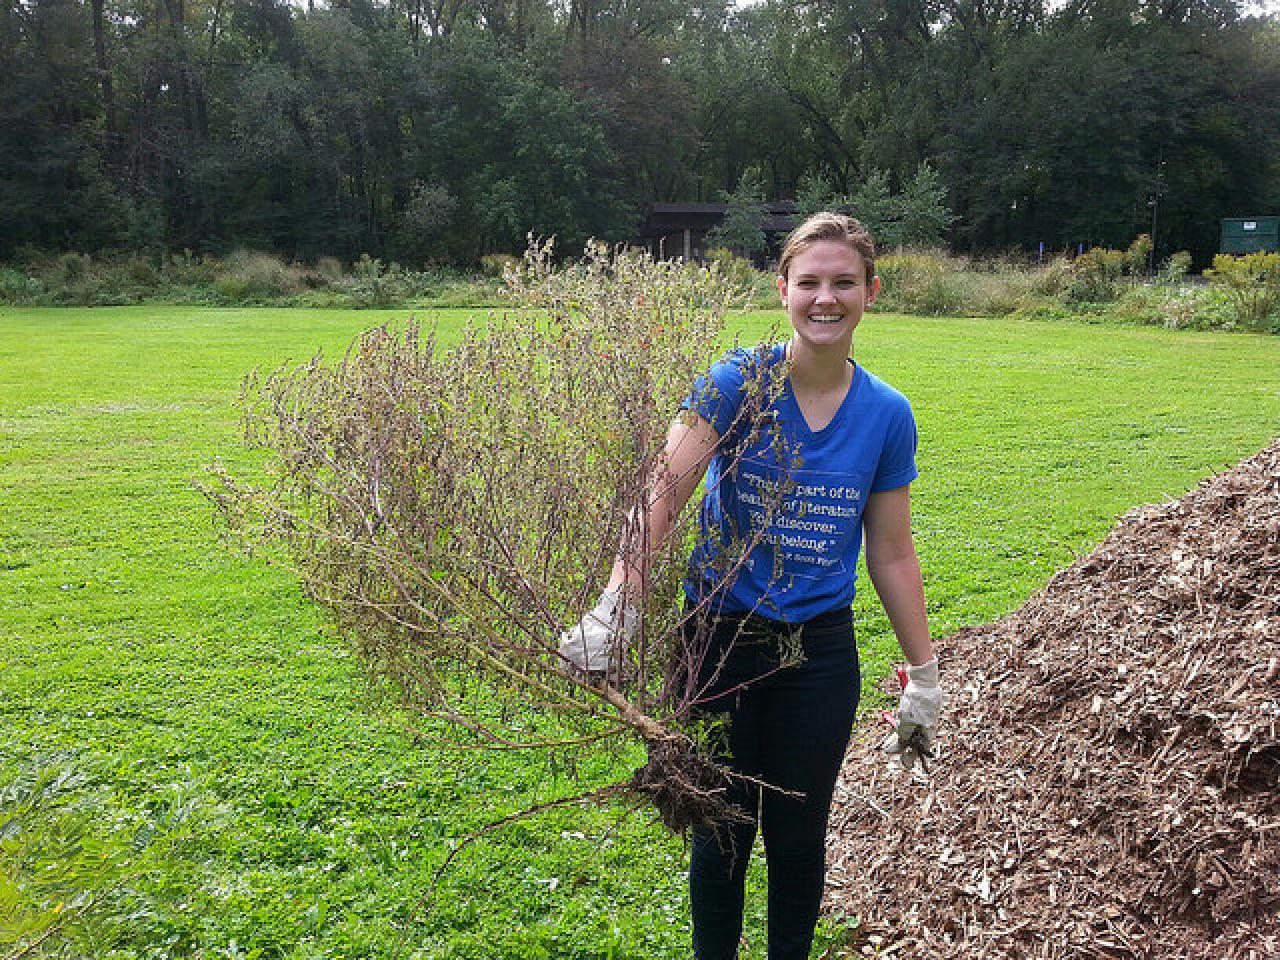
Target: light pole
{"x": 1157, "y": 191}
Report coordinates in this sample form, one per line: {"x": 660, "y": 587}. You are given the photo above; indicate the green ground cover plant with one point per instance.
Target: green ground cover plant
{"x": 181, "y": 731}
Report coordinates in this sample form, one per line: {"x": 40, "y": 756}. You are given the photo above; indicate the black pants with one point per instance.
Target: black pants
{"x": 788, "y": 728}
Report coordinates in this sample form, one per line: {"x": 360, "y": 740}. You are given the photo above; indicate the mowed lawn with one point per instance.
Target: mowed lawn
{"x": 191, "y": 764}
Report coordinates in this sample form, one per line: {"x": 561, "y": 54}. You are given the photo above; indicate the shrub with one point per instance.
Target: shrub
{"x": 18, "y": 289}
{"x": 244, "y": 277}
{"x": 1002, "y": 293}
{"x": 904, "y": 275}
{"x": 1213, "y": 310}
{"x": 1176, "y": 268}
{"x": 422, "y": 224}
{"x": 73, "y": 278}
{"x": 1096, "y": 276}
{"x": 186, "y": 269}
{"x": 1053, "y": 279}
{"x": 931, "y": 283}
{"x": 457, "y": 289}
{"x": 71, "y": 269}
{"x": 1138, "y": 257}
{"x": 497, "y": 264}
{"x": 458, "y": 509}
{"x": 329, "y": 270}
{"x": 1156, "y": 306}
{"x": 1099, "y": 276}
{"x": 371, "y": 284}
{"x": 1182, "y": 310}
{"x": 253, "y": 276}
{"x": 140, "y": 271}
{"x": 749, "y": 285}
{"x": 924, "y": 282}
{"x": 1178, "y": 308}
{"x": 1250, "y": 285}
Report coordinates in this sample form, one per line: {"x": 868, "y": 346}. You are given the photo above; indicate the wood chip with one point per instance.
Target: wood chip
{"x": 1120, "y": 797}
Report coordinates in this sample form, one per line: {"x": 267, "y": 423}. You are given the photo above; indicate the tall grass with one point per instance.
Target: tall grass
{"x": 1101, "y": 286}
{"x": 930, "y": 283}
{"x": 241, "y": 278}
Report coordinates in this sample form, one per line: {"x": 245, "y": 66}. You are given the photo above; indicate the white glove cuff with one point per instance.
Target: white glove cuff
{"x": 616, "y": 612}
{"x": 925, "y": 675}
{"x": 608, "y": 602}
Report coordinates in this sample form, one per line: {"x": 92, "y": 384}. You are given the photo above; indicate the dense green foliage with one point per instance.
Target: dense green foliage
{"x": 1251, "y": 284}
{"x": 445, "y": 129}
{"x": 916, "y": 215}
{"x": 190, "y": 764}
{"x": 740, "y": 229}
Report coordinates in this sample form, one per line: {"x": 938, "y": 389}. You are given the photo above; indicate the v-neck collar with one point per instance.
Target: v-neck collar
{"x": 854, "y": 381}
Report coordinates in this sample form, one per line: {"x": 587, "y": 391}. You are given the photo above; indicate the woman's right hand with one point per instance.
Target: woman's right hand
{"x": 597, "y": 645}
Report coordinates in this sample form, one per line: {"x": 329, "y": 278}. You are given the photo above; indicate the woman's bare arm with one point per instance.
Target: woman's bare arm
{"x": 895, "y": 570}
{"x": 690, "y": 443}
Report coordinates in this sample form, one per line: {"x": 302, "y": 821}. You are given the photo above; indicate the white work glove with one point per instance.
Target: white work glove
{"x": 597, "y": 645}
{"x": 912, "y": 738}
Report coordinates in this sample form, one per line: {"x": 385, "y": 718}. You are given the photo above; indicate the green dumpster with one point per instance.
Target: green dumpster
{"x": 1250, "y": 234}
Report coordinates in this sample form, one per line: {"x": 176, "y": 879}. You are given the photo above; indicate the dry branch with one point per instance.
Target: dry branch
{"x": 458, "y": 508}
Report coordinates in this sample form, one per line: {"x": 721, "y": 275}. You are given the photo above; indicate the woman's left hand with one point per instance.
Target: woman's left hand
{"x": 918, "y": 713}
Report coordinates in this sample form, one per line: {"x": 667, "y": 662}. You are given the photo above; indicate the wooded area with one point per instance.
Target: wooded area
{"x": 444, "y": 129}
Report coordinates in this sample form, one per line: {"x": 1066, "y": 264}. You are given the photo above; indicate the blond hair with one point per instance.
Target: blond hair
{"x": 829, "y": 226}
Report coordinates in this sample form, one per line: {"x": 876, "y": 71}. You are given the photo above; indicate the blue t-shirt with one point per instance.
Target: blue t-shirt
{"x": 806, "y": 489}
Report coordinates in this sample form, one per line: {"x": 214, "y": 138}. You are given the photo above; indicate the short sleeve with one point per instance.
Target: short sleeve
{"x": 897, "y": 466}
{"x": 717, "y": 394}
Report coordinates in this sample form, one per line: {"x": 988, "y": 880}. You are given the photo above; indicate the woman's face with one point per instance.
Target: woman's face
{"x": 825, "y": 291}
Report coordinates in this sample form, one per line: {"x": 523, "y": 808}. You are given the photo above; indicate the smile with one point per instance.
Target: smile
{"x": 826, "y": 318}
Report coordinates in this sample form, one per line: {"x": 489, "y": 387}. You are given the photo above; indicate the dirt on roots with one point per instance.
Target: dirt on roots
{"x": 1110, "y": 783}
{"x": 686, "y": 787}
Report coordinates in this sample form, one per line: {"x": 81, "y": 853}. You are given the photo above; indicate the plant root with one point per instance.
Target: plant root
{"x": 687, "y": 788}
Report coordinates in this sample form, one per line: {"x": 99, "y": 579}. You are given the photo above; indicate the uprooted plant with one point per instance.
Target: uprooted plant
{"x": 458, "y": 508}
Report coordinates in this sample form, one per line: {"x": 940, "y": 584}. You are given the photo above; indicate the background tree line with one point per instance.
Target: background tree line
{"x": 445, "y": 129}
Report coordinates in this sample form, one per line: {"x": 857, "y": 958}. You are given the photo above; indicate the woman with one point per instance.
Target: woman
{"x": 844, "y": 466}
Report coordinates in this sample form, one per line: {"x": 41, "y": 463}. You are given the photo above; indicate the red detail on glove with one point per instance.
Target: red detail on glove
{"x": 890, "y": 717}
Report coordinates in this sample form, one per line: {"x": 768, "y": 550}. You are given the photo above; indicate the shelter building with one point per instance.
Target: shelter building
{"x": 680, "y": 229}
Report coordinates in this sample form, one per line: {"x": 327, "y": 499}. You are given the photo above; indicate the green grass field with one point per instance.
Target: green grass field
{"x": 191, "y": 764}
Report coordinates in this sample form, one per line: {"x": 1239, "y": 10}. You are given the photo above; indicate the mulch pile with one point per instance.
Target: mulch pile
{"x": 1110, "y": 781}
